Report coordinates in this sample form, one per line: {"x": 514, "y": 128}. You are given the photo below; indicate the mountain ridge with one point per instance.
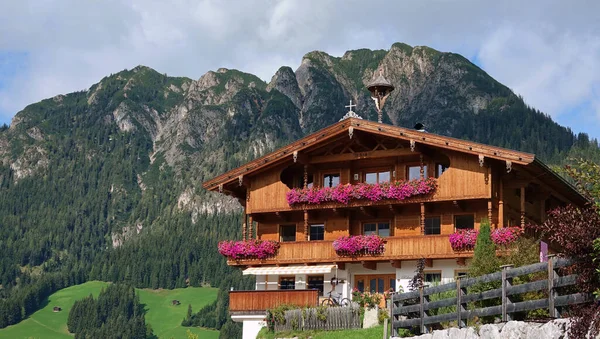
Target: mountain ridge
{"x": 106, "y": 183}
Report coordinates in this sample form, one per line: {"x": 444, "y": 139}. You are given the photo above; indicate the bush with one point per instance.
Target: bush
{"x": 366, "y": 299}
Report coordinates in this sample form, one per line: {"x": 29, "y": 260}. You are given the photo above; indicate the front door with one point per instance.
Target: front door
{"x": 375, "y": 283}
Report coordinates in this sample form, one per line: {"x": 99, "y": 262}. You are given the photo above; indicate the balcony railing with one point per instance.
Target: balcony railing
{"x": 259, "y": 301}
{"x": 396, "y": 248}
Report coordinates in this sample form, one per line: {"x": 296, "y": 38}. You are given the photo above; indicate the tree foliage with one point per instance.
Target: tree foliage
{"x": 484, "y": 258}
{"x": 116, "y": 313}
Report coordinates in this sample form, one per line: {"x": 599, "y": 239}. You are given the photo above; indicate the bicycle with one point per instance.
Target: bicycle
{"x": 336, "y": 301}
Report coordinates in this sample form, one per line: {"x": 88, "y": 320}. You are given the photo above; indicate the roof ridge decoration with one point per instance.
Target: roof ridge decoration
{"x": 350, "y": 113}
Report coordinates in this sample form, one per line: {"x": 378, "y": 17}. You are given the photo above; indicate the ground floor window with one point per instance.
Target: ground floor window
{"x": 287, "y": 283}
{"x": 375, "y": 283}
{"x": 433, "y": 277}
{"x": 315, "y": 282}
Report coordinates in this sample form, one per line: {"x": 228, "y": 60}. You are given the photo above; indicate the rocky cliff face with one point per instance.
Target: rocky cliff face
{"x": 180, "y": 131}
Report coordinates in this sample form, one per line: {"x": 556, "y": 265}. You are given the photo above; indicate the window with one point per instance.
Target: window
{"x": 414, "y": 172}
{"x": 287, "y": 283}
{"x": 466, "y": 221}
{"x": 317, "y": 232}
{"x": 439, "y": 169}
{"x": 316, "y": 283}
{"x": 433, "y": 277}
{"x": 460, "y": 273}
{"x": 380, "y": 228}
{"x": 287, "y": 233}
{"x": 377, "y": 177}
{"x": 432, "y": 225}
{"x": 331, "y": 180}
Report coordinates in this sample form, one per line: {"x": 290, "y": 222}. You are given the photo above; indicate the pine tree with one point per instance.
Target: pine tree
{"x": 484, "y": 259}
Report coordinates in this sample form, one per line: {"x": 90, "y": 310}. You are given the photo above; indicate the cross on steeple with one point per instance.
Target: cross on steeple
{"x": 350, "y": 106}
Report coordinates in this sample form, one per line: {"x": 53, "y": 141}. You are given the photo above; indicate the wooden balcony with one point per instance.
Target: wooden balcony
{"x": 260, "y": 301}
{"x": 396, "y": 248}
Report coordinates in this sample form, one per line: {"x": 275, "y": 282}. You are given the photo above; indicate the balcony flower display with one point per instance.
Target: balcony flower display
{"x": 358, "y": 244}
{"x": 399, "y": 190}
{"x": 506, "y": 235}
{"x": 259, "y": 249}
{"x": 463, "y": 240}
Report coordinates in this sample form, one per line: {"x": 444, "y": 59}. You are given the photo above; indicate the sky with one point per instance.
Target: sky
{"x": 547, "y": 51}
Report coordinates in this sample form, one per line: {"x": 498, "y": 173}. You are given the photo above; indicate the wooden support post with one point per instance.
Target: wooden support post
{"x": 428, "y": 262}
{"x": 422, "y": 171}
{"x": 501, "y": 205}
{"x": 392, "y": 317}
{"x": 522, "y": 206}
{"x": 244, "y": 230}
{"x": 422, "y": 218}
{"x": 543, "y": 210}
{"x": 505, "y": 300}
{"x": 551, "y": 291}
{"x": 305, "y": 176}
{"x": 250, "y": 227}
{"x": 306, "y": 225}
{"x": 490, "y": 213}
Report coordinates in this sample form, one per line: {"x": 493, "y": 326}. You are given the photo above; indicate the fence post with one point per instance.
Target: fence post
{"x": 421, "y": 311}
{"x": 551, "y": 291}
{"x": 392, "y": 317}
{"x": 459, "y": 305}
{"x": 505, "y": 283}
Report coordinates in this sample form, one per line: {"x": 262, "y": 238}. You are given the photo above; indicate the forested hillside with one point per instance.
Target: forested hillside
{"x": 106, "y": 183}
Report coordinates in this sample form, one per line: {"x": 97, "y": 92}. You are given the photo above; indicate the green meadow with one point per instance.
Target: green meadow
{"x": 164, "y": 318}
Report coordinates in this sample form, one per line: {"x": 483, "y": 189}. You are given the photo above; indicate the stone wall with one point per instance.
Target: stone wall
{"x": 555, "y": 329}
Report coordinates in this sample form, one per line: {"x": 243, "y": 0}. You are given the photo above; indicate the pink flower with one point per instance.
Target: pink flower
{"x": 399, "y": 190}
{"x": 464, "y": 240}
{"x": 359, "y": 244}
{"x": 506, "y": 235}
{"x": 259, "y": 249}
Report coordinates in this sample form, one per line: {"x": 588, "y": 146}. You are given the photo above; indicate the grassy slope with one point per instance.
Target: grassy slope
{"x": 164, "y": 318}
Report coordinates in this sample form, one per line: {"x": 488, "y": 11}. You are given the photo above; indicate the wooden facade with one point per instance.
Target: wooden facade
{"x": 259, "y": 301}
{"x": 474, "y": 182}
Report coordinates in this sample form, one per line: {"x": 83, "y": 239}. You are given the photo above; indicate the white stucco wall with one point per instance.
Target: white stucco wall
{"x": 446, "y": 266}
{"x": 251, "y": 324}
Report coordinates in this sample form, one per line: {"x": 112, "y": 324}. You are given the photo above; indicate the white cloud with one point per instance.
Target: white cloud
{"x": 548, "y": 51}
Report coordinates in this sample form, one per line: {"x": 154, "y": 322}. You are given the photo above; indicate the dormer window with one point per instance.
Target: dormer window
{"x": 331, "y": 180}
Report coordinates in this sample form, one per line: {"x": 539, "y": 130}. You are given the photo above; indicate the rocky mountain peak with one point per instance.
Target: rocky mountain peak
{"x": 285, "y": 82}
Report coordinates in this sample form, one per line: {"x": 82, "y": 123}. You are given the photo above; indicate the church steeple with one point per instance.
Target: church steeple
{"x": 380, "y": 89}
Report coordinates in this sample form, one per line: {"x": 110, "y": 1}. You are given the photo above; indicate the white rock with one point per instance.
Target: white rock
{"x": 440, "y": 334}
{"x": 514, "y": 330}
{"x": 371, "y": 318}
{"x": 489, "y": 332}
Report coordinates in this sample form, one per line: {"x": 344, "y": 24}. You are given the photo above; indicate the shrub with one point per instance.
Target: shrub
{"x": 366, "y": 299}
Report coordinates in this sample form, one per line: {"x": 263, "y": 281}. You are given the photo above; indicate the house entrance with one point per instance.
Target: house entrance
{"x": 375, "y": 283}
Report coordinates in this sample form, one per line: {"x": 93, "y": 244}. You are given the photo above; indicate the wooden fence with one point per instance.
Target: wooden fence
{"x": 307, "y": 319}
{"x": 415, "y": 310}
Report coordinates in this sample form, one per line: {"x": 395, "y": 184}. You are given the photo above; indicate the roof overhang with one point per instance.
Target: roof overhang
{"x": 283, "y": 270}
{"x": 351, "y": 124}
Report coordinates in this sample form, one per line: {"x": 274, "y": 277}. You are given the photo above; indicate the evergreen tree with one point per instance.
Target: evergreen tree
{"x": 484, "y": 258}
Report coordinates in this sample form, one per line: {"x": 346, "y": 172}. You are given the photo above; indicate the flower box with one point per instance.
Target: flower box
{"x": 506, "y": 235}
{"x": 399, "y": 190}
{"x": 464, "y": 240}
{"x": 251, "y": 249}
{"x": 359, "y": 245}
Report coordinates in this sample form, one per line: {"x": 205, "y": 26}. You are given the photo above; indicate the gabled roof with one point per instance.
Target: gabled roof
{"x": 341, "y": 127}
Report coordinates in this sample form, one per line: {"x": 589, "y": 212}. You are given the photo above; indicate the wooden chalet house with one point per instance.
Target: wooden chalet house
{"x": 411, "y": 188}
